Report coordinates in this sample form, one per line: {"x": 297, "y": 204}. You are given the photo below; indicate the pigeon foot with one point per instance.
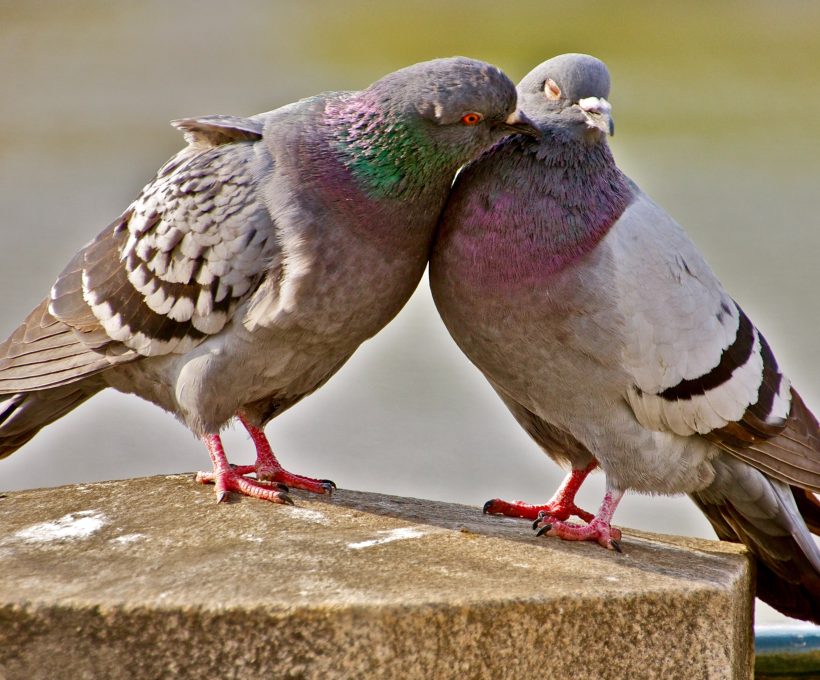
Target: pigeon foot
{"x": 227, "y": 478}
{"x": 269, "y": 469}
{"x": 230, "y": 480}
{"x": 556, "y": 510}
{"x": 560, "y": 507}
{"x": 276, "y": 473}
{"x": 599, "y": 529}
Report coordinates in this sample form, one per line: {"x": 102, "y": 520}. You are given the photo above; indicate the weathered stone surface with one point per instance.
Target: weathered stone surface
{"x": 149, "y": 578}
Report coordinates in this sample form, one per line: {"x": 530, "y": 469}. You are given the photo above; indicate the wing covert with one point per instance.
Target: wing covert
{"x": 173, "y": 267}
{"x": 699, "y": 365}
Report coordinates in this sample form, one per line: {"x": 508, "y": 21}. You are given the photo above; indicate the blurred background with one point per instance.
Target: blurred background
{"x": 717, "y": 110}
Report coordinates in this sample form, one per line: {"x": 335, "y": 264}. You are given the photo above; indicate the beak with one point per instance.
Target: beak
{"x": 599, "y": 114}
{"x": 518, "y": 123}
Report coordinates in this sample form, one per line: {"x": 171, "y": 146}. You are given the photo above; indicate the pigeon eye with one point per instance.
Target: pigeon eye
{"x": 551, "y": 89}
{"x": 472, "y": 118}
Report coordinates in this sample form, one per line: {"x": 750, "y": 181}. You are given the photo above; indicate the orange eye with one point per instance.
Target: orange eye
{"x": 471, "y": 118}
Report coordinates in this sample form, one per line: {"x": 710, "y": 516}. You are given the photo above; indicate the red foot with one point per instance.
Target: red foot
{"x": 560, "y": 507}
{"x": 278, "y": 474}
{"x": 599, "y": 529}
{"x": 227, "y": 479}
{"x": 596, "y": 530}
{"x": 558, "y": 511}
{"x": 268, "y": 468}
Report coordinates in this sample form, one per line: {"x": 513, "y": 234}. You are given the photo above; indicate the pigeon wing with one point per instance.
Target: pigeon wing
{"x": 168, "y": 273}
{"x": 699, "y": 365}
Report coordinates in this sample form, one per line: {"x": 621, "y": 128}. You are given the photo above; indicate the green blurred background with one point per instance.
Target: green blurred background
{"x": 717, "y": 110}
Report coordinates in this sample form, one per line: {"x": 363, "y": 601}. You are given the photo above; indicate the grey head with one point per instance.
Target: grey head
{"x": 436, "y": 115}
{"x": 567, "y": 96}
{"x": 443, "y": 91}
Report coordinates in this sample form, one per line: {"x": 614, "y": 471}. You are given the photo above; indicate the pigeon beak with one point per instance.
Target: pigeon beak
{"x": 598, "y": 112}
{"x": 518, "y": 123}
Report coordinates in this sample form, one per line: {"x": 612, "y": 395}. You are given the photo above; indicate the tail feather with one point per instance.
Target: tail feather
{"x": 48, "y": 368}
{"x": 24, "y": 414}
{"x": 43, "y": 353}
{"x": 800, "y": 600}
{"x": 770, "y": 518}
{"x": 809, "y": 507}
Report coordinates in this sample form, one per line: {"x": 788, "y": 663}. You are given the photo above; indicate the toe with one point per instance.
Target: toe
{"x": 543, "y": 530}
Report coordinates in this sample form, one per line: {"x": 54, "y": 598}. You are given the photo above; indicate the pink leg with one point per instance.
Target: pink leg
{"x": 268, "y": 468}
{"x": 560, "y": 507}
{"x": 599, "y": 529}
{"x": 227, "y": 479}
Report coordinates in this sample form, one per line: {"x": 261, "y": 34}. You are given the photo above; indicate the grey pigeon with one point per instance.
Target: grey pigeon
{"x": 613, "y": 344}
{"x": 257, "y": 260}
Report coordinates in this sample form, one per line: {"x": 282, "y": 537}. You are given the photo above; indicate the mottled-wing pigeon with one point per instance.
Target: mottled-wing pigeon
{"x": 257, "y": 260}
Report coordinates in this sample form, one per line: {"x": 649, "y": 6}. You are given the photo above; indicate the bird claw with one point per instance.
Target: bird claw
{"x": 320, "y": 486}
{"x": 231, "y": 481}
{"x": 559, "y": 510}
{"x": 560, "y": 507}
{"x": 597, "y": 530}
{"x": 281, "y": 477}
{"x": 541, "y": 515}
{"x": 544, "y": 529}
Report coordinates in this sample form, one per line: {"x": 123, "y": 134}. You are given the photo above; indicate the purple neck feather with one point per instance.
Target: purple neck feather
{"x": 583, "y": 194}
{"x": 538, "y": 208}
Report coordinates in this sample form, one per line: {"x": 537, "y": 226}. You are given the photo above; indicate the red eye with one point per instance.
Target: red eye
{"x": 471, "y": 118}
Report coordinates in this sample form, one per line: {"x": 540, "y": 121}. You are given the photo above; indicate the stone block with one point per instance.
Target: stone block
{"x": 150, "y": 578}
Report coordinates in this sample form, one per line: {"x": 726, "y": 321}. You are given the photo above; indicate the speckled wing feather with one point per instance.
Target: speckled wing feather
{"x": 699, "y": 364}
{"x": 168, "y": 273}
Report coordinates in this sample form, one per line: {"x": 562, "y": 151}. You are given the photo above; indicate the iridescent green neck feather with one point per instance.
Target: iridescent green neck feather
{"x": 391, "y": 155}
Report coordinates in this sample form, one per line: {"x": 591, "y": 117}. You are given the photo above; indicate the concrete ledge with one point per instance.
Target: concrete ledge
{"x": 149, "y": 578}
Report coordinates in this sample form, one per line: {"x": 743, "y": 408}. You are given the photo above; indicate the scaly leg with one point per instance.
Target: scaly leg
{"x": 560, "y": 507}
{"x": 599, "y": 529}
{"x": 227, "y": 479}
{"x": 269, "y": 469}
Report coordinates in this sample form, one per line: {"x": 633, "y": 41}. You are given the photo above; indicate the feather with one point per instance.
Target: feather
{"x": 215, "y": 130}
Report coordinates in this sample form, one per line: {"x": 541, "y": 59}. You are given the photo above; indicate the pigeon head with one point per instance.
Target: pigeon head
{"x": 417, "y": 126}
{"x": 459, "y": 102}
{"x": 567, "y": 94}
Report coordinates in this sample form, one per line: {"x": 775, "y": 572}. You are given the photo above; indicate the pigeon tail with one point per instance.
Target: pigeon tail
{"x": 809, "y": 507}
{"x": 774, "y": 521}
{"x": 24, "y": 414}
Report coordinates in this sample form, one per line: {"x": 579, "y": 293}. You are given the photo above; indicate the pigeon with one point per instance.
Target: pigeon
{"x": 248, "y": 271}
{"x": 613, "y": 344}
